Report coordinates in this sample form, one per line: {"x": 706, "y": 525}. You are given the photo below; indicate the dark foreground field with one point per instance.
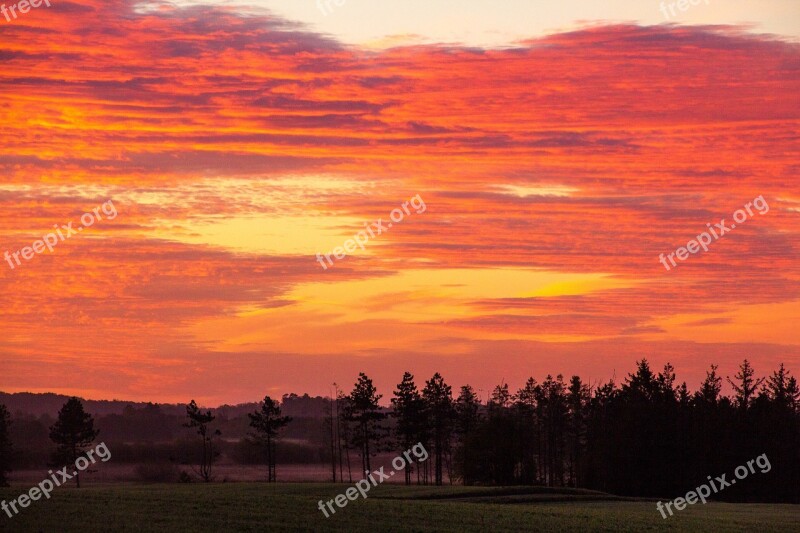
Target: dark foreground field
{"x": 293, "y": 507}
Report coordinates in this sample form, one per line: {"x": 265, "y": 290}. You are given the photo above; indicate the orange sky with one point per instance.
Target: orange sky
{"x": 237, "y": 147}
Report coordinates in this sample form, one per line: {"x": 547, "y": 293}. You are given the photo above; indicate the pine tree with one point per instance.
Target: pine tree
{"x": 711, "y": 387}
{"x": 364, "y": 411}
{"x": 408, "y": 410}
{"x": 578, "y": 399}
{"x": 683, "y": 395}
{"x": 793, "y": 393}
{"x": 555, "y": 418}
{"x": 73, "y": 432}
{"x": 525, "y": 403}
{"x": 200, "y": 420}
{"x": 666, "y": 382}
{"x": 439, "y": 402}
{"x": 642, "y": 385}
{"x": 267, "y": 422}
{"x": 501, "y": 398}
{"x": 467, "y": 412}
{"x": 779, "y": 388}
{"x": 748, "y": 385}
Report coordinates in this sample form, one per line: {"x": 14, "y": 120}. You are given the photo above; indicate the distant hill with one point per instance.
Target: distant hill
{"x": 38, "y": 404}
{"x": 140, "y": 431}
{"x": 49, "y": 403}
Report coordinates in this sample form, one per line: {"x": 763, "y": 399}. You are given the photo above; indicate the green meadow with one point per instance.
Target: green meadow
{"x": 293, "y": 507}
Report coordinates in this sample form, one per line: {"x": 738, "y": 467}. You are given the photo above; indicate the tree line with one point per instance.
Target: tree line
{"x": 647, "y": 436}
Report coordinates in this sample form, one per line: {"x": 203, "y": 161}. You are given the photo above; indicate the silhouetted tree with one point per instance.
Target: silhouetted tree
{"x": 643, "y": 421}
{"x": 329, "y": 415}
{"x": 344, "y": 432}
{"x": 363, "y": 410}
{"x": 578, "y": 398}
{"x": 746, "y": 385}
{"x": 201, "y": 420}
{"x": 501, "y": 456}
{"x": 711, "y": 387}
{"x": 601, "y": 450}
{"x": 709, "y": 417}
{"x": 780, "y": 389}
{"x": 530, "y": 444}
{"x": 555, "y": 424}
{"x": 467, "y": 409}
{"x": 408, "y": 409}
{"x": 73, "y": 432}
{"x": 438, "y": 399}
{"x": 642, "y": 385}
{"x": 793, "y": 393}
{"x": 338, "y": 431}
{"x": 267, "y": 422}
{"x": 340, "y": 441}
{"x": 501, "y": 398}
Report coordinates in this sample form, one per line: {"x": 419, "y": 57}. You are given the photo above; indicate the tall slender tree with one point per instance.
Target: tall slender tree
{"x": 525, "y": 403}
{"x": 338, "y": 432}
{"x": 407, "y": 408}
{"x": 73, "y": 433}
{"x": 467, "y": 410}
{"x": 365, "y": 412}
{"x": 344, "y": 432}
{"x": 556, "y": 424}
{"x": 200, "y": 420}
{"x": 502, "y": 455}
{"x": 268, "y": 421}
{"x": 578, "y": 398}
{"x": 330, "y": 422}
{"x": 438, "y": 397}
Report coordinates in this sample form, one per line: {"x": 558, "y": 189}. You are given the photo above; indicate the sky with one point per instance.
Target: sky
{"x": 489, "y": 23}
{"x": 546, "y": 157}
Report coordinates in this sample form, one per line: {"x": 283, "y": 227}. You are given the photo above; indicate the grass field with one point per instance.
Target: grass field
{"x": 293, "y": 507}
